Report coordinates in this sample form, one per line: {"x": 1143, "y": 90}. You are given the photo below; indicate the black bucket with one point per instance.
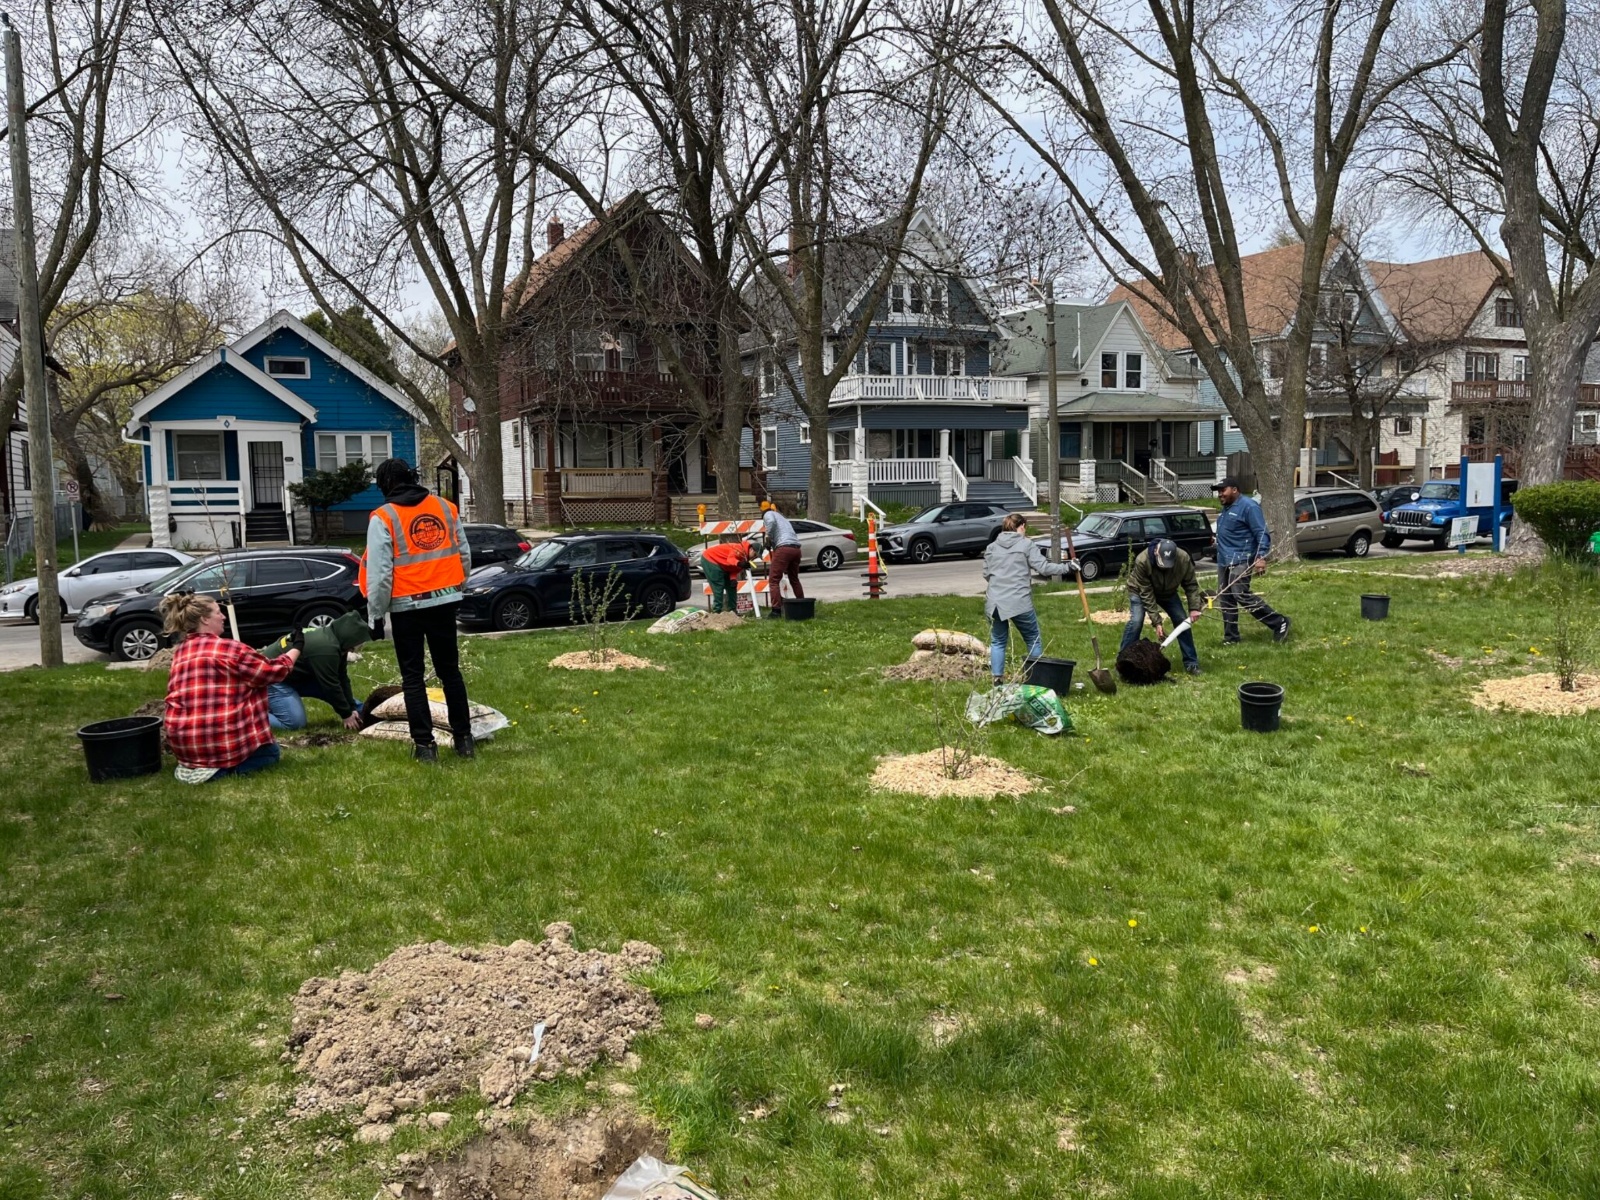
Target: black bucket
{"x": 1053, "y": 673}
{"x": 796, "y": 609}
{"x": 122, "y": 748}
{"x": 1259, "y": 704}
{"x": 1374, "y": 608}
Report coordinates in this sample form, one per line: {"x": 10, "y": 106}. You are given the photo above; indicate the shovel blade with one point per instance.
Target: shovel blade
{"x": 1101, "y": 678}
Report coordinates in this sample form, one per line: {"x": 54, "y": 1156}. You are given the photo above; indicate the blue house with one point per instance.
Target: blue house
{"x": 224, "y": 439}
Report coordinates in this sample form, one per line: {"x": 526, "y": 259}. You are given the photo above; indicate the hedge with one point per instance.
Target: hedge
{"x": 1564, "y": 515}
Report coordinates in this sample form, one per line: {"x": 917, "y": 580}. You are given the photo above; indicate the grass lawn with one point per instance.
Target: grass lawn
{"x": 1352, "y": 959}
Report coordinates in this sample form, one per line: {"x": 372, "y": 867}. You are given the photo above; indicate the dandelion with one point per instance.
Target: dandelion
{"x": 594, "y": 693}
{"x": 1534, "y": 650}
{"x": 1094, "y": 962}
{"x": 1132, "y": 924}
{"x": 1313, "y": 929}
{"x": 1363, "y": 929}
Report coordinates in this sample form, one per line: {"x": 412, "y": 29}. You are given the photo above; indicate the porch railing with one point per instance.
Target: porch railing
{"x": 1014, "y": 471}
{"x": 958, "y": 479}
{"x": 217, "y": 498}
{"x": 903, "y": 470}
{"x": 584, "y": 482}
{"x": 839, "y": 472}
{"x": 978, "y": 389}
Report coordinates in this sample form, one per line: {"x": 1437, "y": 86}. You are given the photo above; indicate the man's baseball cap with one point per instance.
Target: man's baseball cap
{"x": 1230, "y": 481}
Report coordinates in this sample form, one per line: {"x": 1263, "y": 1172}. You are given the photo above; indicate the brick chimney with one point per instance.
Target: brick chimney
{"x": 555, "y": 232}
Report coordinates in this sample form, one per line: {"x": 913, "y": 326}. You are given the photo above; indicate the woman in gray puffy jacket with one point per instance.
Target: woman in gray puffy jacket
{"x": 1009, "y": 565}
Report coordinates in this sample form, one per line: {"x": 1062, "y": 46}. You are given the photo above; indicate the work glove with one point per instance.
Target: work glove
{"x": 377, "y": 630}
{"x": 297, "y": 640}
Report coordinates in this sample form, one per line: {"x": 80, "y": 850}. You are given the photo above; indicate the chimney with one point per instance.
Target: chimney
{"x": 555, "y": 232}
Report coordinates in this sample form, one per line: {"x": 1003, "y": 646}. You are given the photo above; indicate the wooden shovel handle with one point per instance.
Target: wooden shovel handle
{"x": 1072, "y": 555}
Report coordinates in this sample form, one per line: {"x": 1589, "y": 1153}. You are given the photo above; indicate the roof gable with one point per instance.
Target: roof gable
{"x": 284, "y": 320}
{"x": 198, "y": 371}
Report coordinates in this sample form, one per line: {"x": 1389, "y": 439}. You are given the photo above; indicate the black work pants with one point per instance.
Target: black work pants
{"x": 434, "y": 628}
{"x": 1233, "y": 593}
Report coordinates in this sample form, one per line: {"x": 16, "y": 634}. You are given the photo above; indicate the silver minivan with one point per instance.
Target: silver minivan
{"x": 1336, "y": 518}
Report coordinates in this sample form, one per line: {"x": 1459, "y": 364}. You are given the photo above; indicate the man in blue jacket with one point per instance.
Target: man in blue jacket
{"x": 1242, "y": 545}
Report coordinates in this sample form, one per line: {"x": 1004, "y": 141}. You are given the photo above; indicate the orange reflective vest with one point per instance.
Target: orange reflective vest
{"x": 427, "y": 552}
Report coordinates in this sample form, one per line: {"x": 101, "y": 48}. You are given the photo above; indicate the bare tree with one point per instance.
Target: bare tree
{"x": 1507, "y": 142}
{"x": 1175, "y": 128}
{"x": 375, "y": 141}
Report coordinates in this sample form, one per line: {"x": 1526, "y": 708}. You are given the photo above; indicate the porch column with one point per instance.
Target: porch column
{"x": 1423, "y": 470}
{"x": 1025, "y": 447}
{"x": 860, "y": 474}
{"x": 660, "y": 499}
{"x": 1086, "y": 482}
{"x": 1221, "y": 464}
{"x": 552, "y": 476}
{"x": 1307, "y": 476}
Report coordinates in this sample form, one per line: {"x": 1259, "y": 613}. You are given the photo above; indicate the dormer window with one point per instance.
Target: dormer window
{"x": 922, "y": 296}
{"x": 1339, "y": 307}
{"x": 288, "y": 368}
{"x": 1507, "y": 314}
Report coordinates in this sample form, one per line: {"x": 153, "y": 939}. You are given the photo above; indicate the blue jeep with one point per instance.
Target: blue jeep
{"x": 1430, "y": 514}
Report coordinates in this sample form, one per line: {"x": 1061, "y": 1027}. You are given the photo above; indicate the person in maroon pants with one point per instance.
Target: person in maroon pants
{"x": 783, "y": 545}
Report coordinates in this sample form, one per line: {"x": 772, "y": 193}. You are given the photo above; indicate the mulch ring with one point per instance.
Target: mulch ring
{"x": 929, "y": 666}
{"x": 610, "y": 660}
{"x": 924, "y": 775}
{"x": 1110, "y": 616}
{"x": 1539, "y": 694}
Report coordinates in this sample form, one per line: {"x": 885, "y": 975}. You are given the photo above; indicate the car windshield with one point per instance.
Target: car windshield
{"x": 171, "y": 579}
{"x": 542, "y": 555}
{"x": 927, "y": 516}
{"x": 1097, "y": 525}
{"x": 1440, "y": 491}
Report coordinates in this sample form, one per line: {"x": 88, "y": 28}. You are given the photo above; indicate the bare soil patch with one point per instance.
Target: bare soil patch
{"x": 722, "y": 622}
{"x": 1110, "y": 616}
{"x": 924, "y": 775}
{"x": 932, "y": 666}
{"x": 433, "y": 1020}
{"x": 1539, "y": 694}
{"x": 610, "y": 660}
{"x": 576, "y": 1159}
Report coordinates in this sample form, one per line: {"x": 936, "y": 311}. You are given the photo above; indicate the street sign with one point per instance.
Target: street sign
{"x": 1463, "y": 530}
{"x": 1480, "y": 489}
{"x": 74, "y": 490}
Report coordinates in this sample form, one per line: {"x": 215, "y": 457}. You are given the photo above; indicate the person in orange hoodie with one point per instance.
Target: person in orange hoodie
{"x": 723, "y": 564}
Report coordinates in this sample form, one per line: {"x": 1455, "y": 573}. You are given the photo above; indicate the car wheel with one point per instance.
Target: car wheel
{"x": 1358, "y": 545}
{"x": 135, "y": 641}
{"x": 318, "y": 616}
{"x": 1089, "y": 569}
{"x": 830, "y": 558}
{"x": 1442, "y": 542}
{"x": 922, "y": 550}
{"x": 657, "y": 600}
{"x": 515, "y": 611}
{"x": 1393, "y": 541}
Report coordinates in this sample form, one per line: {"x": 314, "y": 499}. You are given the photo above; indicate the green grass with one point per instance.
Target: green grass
{"x": 91, "y": 542}
{"x": 1435, "y": 1036}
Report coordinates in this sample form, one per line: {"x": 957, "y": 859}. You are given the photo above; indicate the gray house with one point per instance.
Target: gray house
{"x": 920, "y": 417}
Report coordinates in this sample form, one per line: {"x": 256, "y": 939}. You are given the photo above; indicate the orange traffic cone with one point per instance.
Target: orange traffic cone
{"x": 877, "y": 581}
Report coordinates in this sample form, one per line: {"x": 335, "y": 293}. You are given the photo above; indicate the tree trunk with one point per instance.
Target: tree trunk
{"x": 1556, "y": 353}
{"x": 819, "y": 492}
{"x": 1364, "y": 433}
{"x": 485, "y": 466}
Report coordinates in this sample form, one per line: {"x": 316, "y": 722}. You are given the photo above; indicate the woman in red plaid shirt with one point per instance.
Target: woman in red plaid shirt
{"x": 216, "y": 716}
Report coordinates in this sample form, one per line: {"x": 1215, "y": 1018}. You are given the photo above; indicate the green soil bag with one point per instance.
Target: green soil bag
{"x": 1039, "y": 708}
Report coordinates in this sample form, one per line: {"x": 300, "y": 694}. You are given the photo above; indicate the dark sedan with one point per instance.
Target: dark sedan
{"x": 1106, "y": 541}
{"x": 494, "y": 543}
{"x": 538, "y": 586}
{"x": 273, "y": 592}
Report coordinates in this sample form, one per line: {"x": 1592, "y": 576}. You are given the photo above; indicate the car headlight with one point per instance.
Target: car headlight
{"x": 11, "y": 589}
{"x": 479, "y": 591}
{"x": 96, "y": 611}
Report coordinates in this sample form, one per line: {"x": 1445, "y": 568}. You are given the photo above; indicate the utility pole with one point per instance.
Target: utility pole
{"x": 1053, "y": 420}
{"x": 31, "y": 333}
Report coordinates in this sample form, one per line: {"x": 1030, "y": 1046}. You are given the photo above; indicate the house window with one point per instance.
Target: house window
{"x": 288, "y": 368}
{"x": 913, "y": 443}
{"x": 1507, "y": 314}
{"x": 604, "y": 350}
{"x": 1133, "y": 371}
{"x": 1586, "y": 428}
{"x": 516, "y": 435}
{"x": 769, "y": 446}
{"x": 839, "y": 446}
{"x": 927, "y": 297}
{"x": 1402, "y": 426}
{"x": 805, "y": 433}
{"x": 1273, "y": 360}
{"x": 335, "y": 450}
{"x": 1071, "y": 440}
{"x": 897, "y": 297}
{"x": 1519, "y": 368}
{"x": 769, "y": 376}
{"x": 947, "y": 359}
{"x": 1482, "y": 367}
{"x": 1108, "y": 370}
{"x": 1339, "y": 308}
{"x": 1317, "y": 360}
{"x": 880, "y": 358}
{"x": 198, "y": 455}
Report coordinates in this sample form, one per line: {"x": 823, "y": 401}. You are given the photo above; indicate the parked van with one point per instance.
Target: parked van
{"x": 1336, "y": 518}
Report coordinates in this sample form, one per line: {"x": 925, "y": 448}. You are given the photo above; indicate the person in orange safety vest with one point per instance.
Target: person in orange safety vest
{"x": 723, "y": 563}
{"x": 416, "y": 562}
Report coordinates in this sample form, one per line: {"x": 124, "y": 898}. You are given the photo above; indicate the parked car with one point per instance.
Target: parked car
{"x": 113, "y": 571}
{"x": 961, "y": 528}
{"x": 273, "y": 592}
{"x": 538, "y": 586}
{"x": 1104, "y": 541}
{"x": 494, "y": 544}
{"x": 1430, "y": 514}
{"x": 1396, "y": 495}
{"x": 1336, "y": 518}
{"x": 825, "y": 547}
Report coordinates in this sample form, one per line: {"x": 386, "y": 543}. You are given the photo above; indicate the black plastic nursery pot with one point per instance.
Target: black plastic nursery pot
{"x": 122, "y": 748}
{"x": 796, "y": 609}
{"x": 1053, "y": 673}
{"x": 1374, "y": 608}
{"x": 1259, "y": 706}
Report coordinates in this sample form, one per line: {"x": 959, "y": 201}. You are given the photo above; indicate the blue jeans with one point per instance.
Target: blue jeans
{"x": 1169, "y": 605}
{"x": 285, "y": 709}
{"x": 1000, "y": 634}
{"x": 260, "y": 759}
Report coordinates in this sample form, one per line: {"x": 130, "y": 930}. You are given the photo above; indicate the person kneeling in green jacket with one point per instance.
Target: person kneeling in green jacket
{"x": 323, "y": 672}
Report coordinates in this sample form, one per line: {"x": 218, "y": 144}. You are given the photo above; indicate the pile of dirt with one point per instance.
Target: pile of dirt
{"x": 1540, "y": 694}
{"x": 924, "y": 775}
{"x": 722, "y": 622}
{"x": 431, "y": 1021}
{"x": 578, "y": 1159}
{"x": 610, "y": 660}
{"x": 929, "y": 666}
{"x": 1143, "y": 663}
{"x": 1110, "y": 616}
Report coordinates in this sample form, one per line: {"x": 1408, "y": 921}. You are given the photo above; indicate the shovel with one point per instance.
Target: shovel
{"x": 1100, "y": 677}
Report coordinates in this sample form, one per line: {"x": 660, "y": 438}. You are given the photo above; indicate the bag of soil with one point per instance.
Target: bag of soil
{"x": 1143, "y": 663}
{"x": 1039, "y": 708}
{"x": 680, "y": 620}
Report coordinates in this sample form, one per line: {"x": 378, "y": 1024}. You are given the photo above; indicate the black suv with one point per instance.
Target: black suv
{"x": 1104, "y": 541}
{"x": 273, "y": 593}
{"x": 494, "y": 544}
{"x": 538, "y": 586}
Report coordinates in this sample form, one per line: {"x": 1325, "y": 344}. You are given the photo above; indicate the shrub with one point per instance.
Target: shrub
{"x": 1564, "y": 515}
{"x": 322, "y": 490}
